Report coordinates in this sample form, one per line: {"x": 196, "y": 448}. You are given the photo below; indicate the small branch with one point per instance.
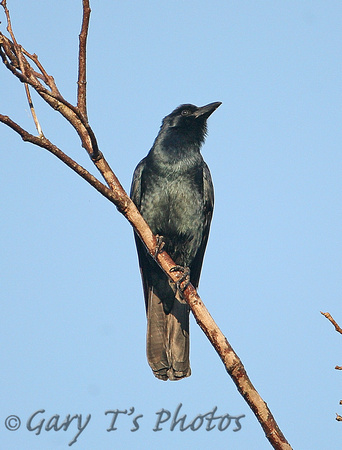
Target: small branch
{"x": 72, "y": 113}
{"x": 33, "y": 112}
{"x": 339, "y": 330}
{"x": 43, "y": 142}
{"x": 336, "y": 325}
{"x": 8, "y": 18}
{"x": 43, "y": 75}
{"x": 82, "y": 67}
{"x": 18, "y": 53}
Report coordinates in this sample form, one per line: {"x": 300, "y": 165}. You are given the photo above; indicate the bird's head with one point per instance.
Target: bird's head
{"x": 189, "y": 121}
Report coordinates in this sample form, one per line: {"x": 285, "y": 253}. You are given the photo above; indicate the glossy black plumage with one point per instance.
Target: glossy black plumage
{"x": 172, "y": 189}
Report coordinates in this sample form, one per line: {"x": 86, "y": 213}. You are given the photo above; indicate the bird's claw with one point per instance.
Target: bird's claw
{"x": 183, "y": 282}
{"x": 159, "y": 246}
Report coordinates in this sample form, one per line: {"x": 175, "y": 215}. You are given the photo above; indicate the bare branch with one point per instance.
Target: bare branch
{"x": 336, "y": 325}
{"x": 43, "y": 142}
{"x": 33, "y": 112}
{"x": 82, "y": 79}
{"x": 26, "y": 74}
{"x": 339, "y": 330}
{"x": 20, "y": 59}
{"x": 43, "y": 75}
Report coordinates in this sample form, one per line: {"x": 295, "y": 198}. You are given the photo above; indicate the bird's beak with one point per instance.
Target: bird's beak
{"x": 207, "y": 110}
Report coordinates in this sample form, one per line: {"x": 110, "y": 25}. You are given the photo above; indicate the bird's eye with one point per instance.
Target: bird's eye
{"x": 186, "y": 112}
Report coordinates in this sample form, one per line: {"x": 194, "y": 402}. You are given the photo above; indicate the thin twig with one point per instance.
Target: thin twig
{"x": 48, "y": 79}
{"x": 82, "y": 60}
{"x": 33, "y": 112}
{"x": 336, "y": 325}
{"x": 20, "y": 57}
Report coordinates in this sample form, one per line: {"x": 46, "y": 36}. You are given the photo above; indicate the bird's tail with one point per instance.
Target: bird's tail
{"x": 168, "y": 338}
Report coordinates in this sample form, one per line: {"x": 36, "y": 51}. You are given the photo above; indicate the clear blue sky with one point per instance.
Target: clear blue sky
{"x": 73, "y": 322}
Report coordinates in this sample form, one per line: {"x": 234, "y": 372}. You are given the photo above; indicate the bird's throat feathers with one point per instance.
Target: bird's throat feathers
{"x": 173, "y": 145}
{"x": 181, "y": 135}
{"x": 171, "y": 154}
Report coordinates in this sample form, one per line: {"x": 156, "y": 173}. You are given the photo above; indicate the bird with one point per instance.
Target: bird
{"x": 173, "y": 190}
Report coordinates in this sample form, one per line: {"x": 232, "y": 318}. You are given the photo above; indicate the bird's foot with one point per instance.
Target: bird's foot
{"x": 183, "y": 282}
{"x": 159, "y": 246}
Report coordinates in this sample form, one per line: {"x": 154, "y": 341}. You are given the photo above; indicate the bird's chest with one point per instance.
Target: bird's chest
{"x": 173, "y": 202}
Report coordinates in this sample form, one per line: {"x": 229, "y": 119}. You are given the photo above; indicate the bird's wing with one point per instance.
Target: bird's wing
{"x": 208, "y": 204}
{"x": 135, "y": 195}
{"x": 136, "y": 184}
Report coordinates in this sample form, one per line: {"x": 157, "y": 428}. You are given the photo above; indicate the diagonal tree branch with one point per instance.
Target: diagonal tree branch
{"x": 16, "y": 59}
{"x": 43, "y": 142}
